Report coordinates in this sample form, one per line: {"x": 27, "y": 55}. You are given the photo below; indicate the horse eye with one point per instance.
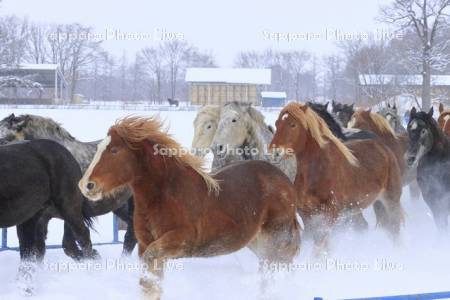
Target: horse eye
{"x": 292, "y": 125}
{"x": 208, "y": 127}
{"x": 114, "y": 150}
{"x": 234, "y": 120}
{"x": 423, "y": 131}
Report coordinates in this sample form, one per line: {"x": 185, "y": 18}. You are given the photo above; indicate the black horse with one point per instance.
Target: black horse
{"x": 336, "y": 128}
{"x": 31, "y": 127}
{"x": 429, "y": 150}
{"x": 38, "y": 181}
{"x": 173, "y": 102}
{"x": 343, "y": 112}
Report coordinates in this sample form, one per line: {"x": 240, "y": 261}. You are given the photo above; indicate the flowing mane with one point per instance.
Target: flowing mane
{"x": 135, "y": 130}
{"x": 382, "y": 124}
{"x": 318, "y": 129}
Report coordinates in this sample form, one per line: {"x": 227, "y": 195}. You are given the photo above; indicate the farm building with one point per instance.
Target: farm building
{"x": 32, "y": 83}
{"x": 273, "y": 99}
{"x": 221, "y": 85}
{"x": 380, "y": 87}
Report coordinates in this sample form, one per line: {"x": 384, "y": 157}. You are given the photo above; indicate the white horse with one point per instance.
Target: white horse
{"x": 236, "y": 131}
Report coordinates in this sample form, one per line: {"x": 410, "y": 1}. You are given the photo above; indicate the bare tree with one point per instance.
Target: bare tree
{"x": 37, "y": 43}
{"x": 71, "y": 48}
{"x": 13, "y": 39}
{"x": 175, "y": 55}
{"x": 153, "y": 61}
{"x": 428, "y": 19}
{"x": 295, "y": 63}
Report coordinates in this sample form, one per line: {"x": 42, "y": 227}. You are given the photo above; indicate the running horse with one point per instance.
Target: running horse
{"x": 367, "y": 120}
{"x": 429, "y": 150}
{"x": 181, "y": 211}
{"x": 443, "y": 120}
{"x": 333, "y": 177}
{"x": 32, "y": 127}
{"x": 236, "y": 131}
{"x": 390, "y": 113}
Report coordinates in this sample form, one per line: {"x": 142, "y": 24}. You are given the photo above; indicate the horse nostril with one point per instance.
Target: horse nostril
{"x": 90, "y": 185}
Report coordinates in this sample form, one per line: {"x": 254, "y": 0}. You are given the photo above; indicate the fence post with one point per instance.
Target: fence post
{"x": 4, "y": 238}
{"x": 115, "y": 229}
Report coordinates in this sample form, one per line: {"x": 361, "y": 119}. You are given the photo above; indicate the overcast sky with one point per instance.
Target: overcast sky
{"x": 224, "y": 27}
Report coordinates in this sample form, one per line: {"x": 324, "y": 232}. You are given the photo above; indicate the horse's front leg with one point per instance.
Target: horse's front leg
{"x": 172, "y": 244}
{"x": 325, "y": 223}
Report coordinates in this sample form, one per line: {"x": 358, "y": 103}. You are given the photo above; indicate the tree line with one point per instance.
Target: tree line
{"x": 156, "y": 73}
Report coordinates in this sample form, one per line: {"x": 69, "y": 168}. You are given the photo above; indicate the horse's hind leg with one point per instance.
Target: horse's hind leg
{"x": 83, "y": 237}
{"x": 389, "y": 213}
{"x": 69, "y": 243}
{"x": 26, "y": 236}
{"x": 40, "y": 236}
{"x": 275, "y": 245}
{"x": 26, "y": 233}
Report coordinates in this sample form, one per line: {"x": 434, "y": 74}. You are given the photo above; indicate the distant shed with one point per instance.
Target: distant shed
{"x": 273, "y": 99}
{"x": 50, "y": 84}
{"x": 221, "y": 85}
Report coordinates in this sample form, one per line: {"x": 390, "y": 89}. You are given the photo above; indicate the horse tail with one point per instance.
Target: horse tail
{"x": 87, "y": 214}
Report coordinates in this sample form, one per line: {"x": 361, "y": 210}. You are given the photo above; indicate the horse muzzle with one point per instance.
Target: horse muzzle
{"x": 90, "y": 190}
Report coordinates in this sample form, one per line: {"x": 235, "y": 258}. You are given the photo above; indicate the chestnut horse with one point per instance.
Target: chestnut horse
{"x": 366, "y": 120}
{"x": 333, "y": 177}
{"x": 444, "y": 119}
{"x": 181, "y": 211}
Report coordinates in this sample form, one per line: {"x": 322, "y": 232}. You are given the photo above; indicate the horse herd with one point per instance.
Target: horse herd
{"x": 322, "y": 167}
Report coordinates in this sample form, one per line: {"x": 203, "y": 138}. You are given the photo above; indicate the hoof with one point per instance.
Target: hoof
{"x": 93, "y": 255}
{"x": 151, "y": 289}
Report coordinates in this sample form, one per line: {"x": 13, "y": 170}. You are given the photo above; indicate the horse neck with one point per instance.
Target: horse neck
{"x": 335, "y": 127}
{"x": 441, "y": 146}
{"x": 161, "y": 176}
{"x": 259, "y": 137}
{"x": 314, "y": 158}
{"x": 82, "y": 152}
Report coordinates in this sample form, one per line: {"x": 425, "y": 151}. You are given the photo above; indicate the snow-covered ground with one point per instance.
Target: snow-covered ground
{"x": 358, "y": 266}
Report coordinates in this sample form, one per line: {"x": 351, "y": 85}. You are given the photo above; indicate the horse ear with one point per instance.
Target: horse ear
{"x": 326, "y": 105}
{"x": 413, "y": 111}
{"x": 394, "y": 106}
{"x": 389, "y": 105}
{"x": 441, "y": 108}
{"x": 431, "y": 112}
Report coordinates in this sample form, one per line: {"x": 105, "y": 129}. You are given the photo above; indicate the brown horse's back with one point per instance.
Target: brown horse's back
{"x": 257, "y": 205}
{"x": 358, "y": 186}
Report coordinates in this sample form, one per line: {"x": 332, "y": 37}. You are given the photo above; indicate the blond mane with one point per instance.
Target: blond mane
{"x": 211, "y": 111}
{"x": 134, "y": 130}
{"x": 318, "y": 129}
{"x": 382, "y": 124}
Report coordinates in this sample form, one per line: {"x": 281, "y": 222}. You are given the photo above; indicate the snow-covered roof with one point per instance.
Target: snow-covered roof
{"x": 383, "y": 79}
{"x": 42, "y": 73}
{"x": 32, "y": 67}
{"x": 273, "y": 95}
{"x": 229, "y": 75}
